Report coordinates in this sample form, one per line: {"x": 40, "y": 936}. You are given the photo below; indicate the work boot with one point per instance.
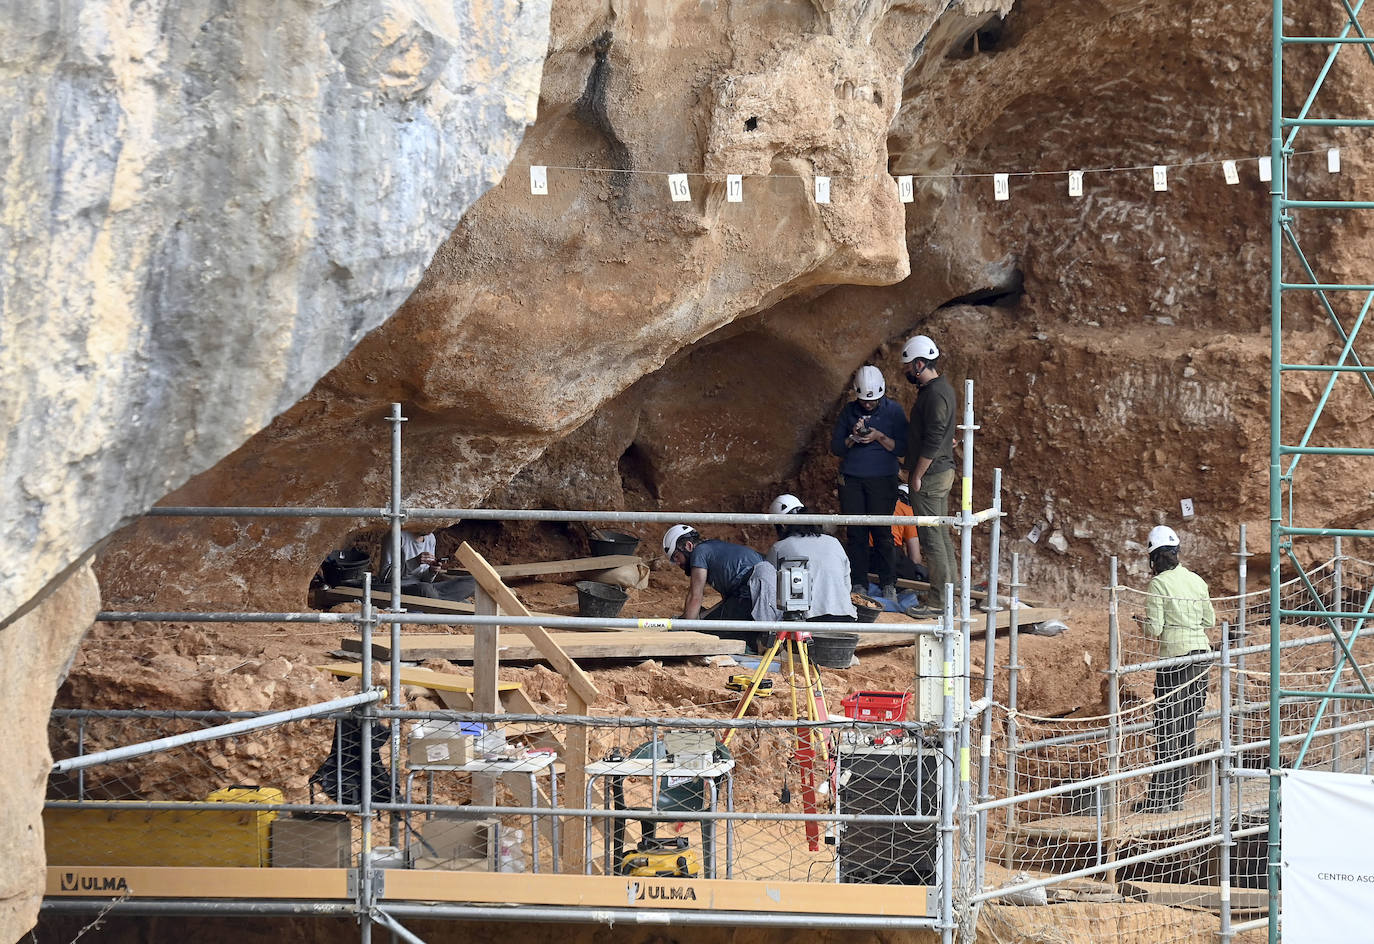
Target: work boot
{"x": 858, "y": 588}
{"x": 890, "y": 591}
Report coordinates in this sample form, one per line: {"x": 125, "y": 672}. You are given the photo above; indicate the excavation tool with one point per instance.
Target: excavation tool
{"x": 741, "y": 683}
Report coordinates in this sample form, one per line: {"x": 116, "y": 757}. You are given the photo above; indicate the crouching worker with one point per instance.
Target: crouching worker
{"x": 827, "y": 562}
{"x": 724, "y": 566}
{"x": 422, "y": 572}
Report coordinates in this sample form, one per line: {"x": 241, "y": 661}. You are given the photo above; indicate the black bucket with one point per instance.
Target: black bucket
{"x": 599, "y": 600}
{"x": 345, "y": 566}
{"x": 833, "y": 650}
{"x": 605, "y": 543}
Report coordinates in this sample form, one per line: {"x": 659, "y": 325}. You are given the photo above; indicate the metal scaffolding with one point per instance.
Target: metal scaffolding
{"x": 961, "y": 830}
{"x": 1340, "y": 304}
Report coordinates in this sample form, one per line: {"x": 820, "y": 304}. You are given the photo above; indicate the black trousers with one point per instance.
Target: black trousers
{"x": 1180, "y": 693}
{"x": 869, "y": 496}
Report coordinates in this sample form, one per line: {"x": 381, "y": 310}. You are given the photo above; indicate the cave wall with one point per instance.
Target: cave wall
{"x": 539, "y": 310}
{"x": 603, "y": 346}
{"x": 1118, "y": 342}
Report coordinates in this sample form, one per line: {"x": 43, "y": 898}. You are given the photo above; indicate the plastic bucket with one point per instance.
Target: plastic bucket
{"x": 833, "y": 650}
{"x": 345, "y": 565}
{"x": 605, "y": 543}
{"x": 599, "y": 599}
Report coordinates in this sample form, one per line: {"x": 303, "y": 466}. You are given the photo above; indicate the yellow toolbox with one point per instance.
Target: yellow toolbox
{"x": 186, "y": 838}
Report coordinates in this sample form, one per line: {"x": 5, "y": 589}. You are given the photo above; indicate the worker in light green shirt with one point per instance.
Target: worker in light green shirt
{"x": 1178, "y": 612}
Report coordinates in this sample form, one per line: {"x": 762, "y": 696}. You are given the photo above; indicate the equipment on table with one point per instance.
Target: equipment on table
{"x": 661, "y": 858}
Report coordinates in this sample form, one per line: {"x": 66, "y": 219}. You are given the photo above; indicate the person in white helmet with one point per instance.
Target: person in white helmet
{"x": 827, "y": 562}
{"x": 722, "y": 565}
{"x": 930, "y": 464}
{"x": 870, "y": 438}
{"x": 1179, "y": 613}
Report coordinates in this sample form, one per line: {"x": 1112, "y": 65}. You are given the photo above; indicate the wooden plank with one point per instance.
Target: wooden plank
{"x": 904, "y": 584}
{"x": 481, "y": 571}
{"x": 1083, "y": 827}
{"x": 113, "y": 881}
{"x": 421, "y": 678}
{"x": 1176, "y": 895}
{"x": 575, "y": 777}
{"x": 602, "y": 891}
{"x": 382, "y": 600}
{"x": 486, "y": 663}
{"x": 516, "y": 647}
{"x": 576, "y": 565}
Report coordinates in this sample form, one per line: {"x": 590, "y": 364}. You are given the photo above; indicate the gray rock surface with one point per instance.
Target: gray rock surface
{"x": 204, "y": 205}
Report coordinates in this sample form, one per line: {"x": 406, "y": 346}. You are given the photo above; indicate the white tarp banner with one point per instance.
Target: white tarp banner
{"x": 1328, "y": 857}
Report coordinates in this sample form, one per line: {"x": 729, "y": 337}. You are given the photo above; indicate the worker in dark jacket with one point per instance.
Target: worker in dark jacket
{"x": 870, "y": 438}
{"x": 930, "y": 465}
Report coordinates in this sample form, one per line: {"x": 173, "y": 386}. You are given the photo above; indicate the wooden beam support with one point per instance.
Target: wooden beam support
{"x": 488, "y": 580}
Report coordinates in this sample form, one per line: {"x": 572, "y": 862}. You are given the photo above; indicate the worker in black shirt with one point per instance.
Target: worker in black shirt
{"x": 930, "y": 464}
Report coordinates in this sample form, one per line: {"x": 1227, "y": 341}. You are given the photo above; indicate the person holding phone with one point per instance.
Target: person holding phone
{"x": 870, "y": 439}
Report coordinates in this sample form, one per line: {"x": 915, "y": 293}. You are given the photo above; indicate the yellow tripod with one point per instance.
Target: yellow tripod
{"x": 810, "y": 740}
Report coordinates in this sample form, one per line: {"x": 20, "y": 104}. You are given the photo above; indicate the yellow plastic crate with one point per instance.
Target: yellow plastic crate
{"x": 186, "y": 838}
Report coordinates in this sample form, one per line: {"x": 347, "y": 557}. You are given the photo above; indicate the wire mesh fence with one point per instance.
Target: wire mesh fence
{"x": 1147, "y": 807}
{"x": 1151, "y": 802}
{"x": 754, "y": 800}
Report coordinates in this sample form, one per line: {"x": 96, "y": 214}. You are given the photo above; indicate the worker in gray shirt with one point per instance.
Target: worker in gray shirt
{"x": 827, "y": 562}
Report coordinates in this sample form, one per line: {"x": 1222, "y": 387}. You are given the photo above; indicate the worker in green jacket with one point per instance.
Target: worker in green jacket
{"x": 1178, "y": 612}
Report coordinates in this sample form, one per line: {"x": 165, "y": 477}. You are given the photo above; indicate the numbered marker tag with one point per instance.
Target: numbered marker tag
{"x": 539, "y": 180}
{"x": 677, "y": 186}
{"x": 1161, "y": 178}
{"x": 1228, "y": 170}
{"x": 1001, "y": 189}
{"x": 822, "y": 189}
{"x": 905, "y": 190}
{"x": 1333, "y": 160}
{"x": 1186, "y": 506}
{"x": 734, "y": 188}
{"x": 1075, "y": 183}
{"x": 1266, "y": 168}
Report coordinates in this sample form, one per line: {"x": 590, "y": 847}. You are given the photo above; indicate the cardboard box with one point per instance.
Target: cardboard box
{"x": 456, "y": 864}
{"x": 321, "y": 841}
{"x": 449, "y": 751}
{"x": 453, "y": 838}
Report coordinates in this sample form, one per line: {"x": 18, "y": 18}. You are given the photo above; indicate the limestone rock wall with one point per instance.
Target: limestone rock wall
{"x": 36, "y": 651}
{"x": 207, "y": 204}
{"x": 204, "y": 205}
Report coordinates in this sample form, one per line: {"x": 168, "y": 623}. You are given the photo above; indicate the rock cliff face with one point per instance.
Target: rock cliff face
{"x": 206, "y": 205}
{"x": 604, "y": 346}
{"x": 203, "y": 206}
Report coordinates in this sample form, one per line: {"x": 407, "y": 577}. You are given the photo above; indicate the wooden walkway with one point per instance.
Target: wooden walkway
{"x": 516, "y": 647}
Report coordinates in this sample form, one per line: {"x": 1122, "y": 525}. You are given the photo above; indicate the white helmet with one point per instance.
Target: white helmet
{"x": 868, "y": 383}
{"x": 785, "y": 505}
{"x": 1161, "y": 536}
{"x": 674, "y": 534}
{"x": 919, "y": 347}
